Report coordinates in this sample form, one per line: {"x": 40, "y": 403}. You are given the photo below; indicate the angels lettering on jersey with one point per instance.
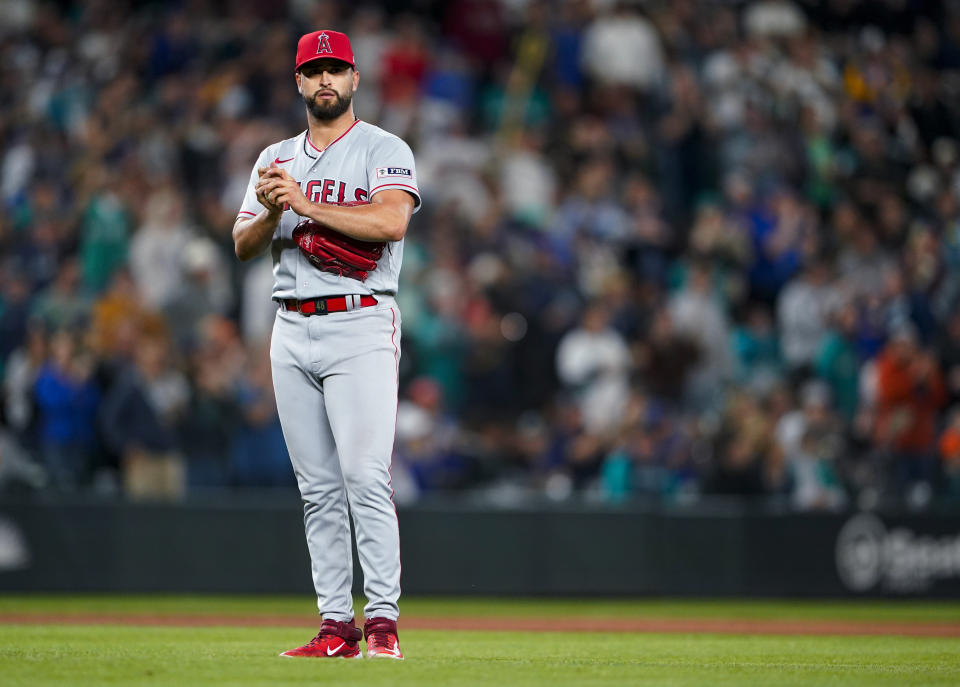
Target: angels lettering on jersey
{"x": 332, "y": 191}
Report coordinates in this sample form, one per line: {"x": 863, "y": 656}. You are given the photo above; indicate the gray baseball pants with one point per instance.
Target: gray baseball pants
{"x": 335, "y": 378}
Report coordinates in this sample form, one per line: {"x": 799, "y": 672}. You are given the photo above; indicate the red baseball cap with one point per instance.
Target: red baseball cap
{"x": 318, "y": 45}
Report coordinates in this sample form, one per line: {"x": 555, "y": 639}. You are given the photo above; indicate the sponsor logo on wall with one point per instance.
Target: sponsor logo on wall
{"x": 871, "y": 556}
{"x": 13, "y": 547}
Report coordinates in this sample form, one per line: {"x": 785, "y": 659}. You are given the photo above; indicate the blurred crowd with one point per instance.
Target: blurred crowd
{"x": 669, "y": 249}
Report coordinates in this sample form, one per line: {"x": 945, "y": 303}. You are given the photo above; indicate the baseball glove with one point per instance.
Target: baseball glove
{"x": 329, "y": 250}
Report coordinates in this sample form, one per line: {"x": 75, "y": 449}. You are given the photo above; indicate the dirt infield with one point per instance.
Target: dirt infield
{"x": 522, "y": 624}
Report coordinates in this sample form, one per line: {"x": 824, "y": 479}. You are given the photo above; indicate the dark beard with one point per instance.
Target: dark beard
{"x": 325, "y": 112}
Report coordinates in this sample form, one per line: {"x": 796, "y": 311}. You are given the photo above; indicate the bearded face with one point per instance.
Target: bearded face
{"x": 326, "y": 104}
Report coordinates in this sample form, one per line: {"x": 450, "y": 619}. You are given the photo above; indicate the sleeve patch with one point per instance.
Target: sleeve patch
{"x": 393, "y": 172}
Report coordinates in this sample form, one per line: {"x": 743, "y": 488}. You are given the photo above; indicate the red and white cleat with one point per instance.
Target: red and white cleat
{"x": 335, "y": 640}
{"x": 382, "y": 642}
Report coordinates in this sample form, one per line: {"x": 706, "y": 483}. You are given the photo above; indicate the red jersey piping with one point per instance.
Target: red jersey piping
{"x": 414, "y": 188}
{"x": 320, "y": 150}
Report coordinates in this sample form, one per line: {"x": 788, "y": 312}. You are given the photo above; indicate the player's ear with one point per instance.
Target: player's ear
{"x": 297, "y": 76}
{"x": 356, "y": 79}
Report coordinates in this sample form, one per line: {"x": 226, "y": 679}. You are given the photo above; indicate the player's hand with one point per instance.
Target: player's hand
{"x": 279, "y": 188}
{"x": 274, "y": 208}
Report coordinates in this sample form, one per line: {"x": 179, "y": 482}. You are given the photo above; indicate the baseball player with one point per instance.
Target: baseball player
{"x": 333, "y": 205}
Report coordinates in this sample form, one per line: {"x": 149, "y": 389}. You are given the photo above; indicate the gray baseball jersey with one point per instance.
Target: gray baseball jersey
{"x": 336, "y": 375}
{"x": 364, "y": 160}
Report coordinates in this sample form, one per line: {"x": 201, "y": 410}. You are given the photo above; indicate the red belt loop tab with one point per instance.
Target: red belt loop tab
{"x": 322, "y": 306}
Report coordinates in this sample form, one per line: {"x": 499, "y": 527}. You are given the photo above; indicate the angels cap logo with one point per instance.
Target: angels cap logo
{"x": 323, "y": 44}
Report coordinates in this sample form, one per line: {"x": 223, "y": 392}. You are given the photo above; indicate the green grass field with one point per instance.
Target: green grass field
{"x": 237, "y": 654}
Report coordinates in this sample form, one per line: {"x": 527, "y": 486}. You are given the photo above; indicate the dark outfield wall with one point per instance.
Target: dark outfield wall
{"x": 258, "y": 547}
